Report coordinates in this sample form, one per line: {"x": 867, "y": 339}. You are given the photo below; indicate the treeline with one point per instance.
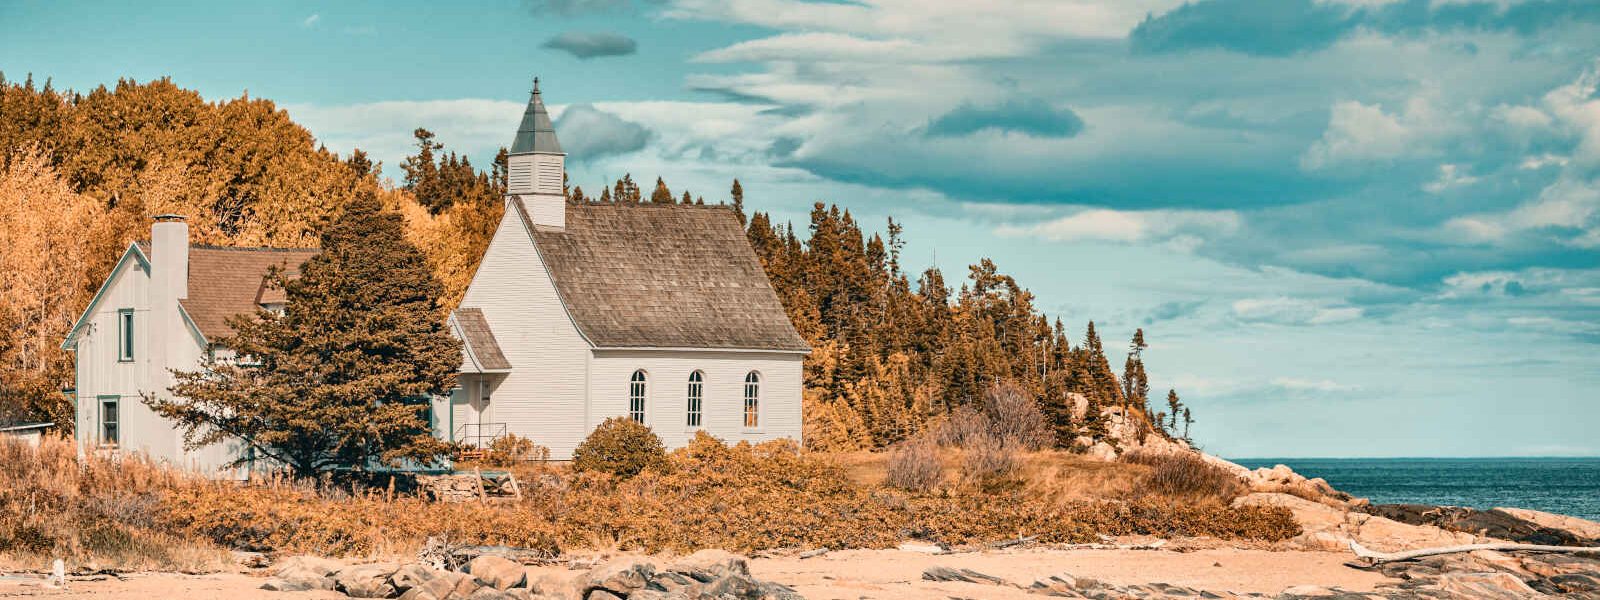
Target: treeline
{"x": 893, "y": 351}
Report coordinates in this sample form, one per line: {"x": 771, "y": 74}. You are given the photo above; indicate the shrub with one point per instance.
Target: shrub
{"x": 914, "y": 465}
{"x": 1014, "y": 417}
{"x": 989, "y": 462}
{"x": 1184, "y": 475}
{"x": 510, "y": 449}
{"x": 619, "y": 446}
{"x": 1008, "y": 415}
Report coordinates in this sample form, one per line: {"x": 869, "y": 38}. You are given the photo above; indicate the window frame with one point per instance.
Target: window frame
{"x": 115, "y": 433}
{"x": 695, "y": 400}
{"x": 638, "y": 395}
{"x": 752, "y": 401}
{"x": 125, "y": 330}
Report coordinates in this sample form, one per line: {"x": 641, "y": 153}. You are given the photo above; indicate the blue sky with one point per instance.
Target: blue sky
{"x": 1348, "y": 227}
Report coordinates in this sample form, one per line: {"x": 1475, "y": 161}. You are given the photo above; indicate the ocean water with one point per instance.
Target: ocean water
{"x": 1568, "y": 486}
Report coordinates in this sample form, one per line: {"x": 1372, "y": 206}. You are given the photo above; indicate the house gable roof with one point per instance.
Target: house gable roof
{"x": 134, "y": 255}
{"x": 232, "y": 281}
{"x": 662, "y": 276}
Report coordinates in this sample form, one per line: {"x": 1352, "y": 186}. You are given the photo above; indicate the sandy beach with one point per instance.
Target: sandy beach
{"x": 854, "y": 574}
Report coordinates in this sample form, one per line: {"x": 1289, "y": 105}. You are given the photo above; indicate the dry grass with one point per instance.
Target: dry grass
{"x": 1186, "y": 476}
{"x": 741, "y": 498}
{"x": 914, "y": 466}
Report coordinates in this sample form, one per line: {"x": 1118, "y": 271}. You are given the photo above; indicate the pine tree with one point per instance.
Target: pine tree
{"x": 687, "y": 198}
{"x": 338, "y": 379}
{"x": 1174, "y": 405}
{"x": 1188, "y": 419}
{"x": 605, "y": 196}
{"x": 738, "y": 201}
{"x": 577, "y": 196}
{"x": 661, "y": 195}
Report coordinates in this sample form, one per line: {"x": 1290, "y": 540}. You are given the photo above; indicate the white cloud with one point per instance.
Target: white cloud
{"x": 311, "y": 21}
{"x": 1360, "y": 133}
{"x": 1312, "y": 385}
{"x": 1184, "y": 227}
{"x": 1284, "y": 310}
{"x": 1450, "y": 176}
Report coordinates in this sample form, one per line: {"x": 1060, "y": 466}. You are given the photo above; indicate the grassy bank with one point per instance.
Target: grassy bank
{"x": 130, "y": 514}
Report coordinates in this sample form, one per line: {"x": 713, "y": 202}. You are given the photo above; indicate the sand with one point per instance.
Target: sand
{"x": 854, "y": 574}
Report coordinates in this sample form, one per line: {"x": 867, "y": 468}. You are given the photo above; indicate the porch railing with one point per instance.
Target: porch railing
{"x": 480, "y": 435}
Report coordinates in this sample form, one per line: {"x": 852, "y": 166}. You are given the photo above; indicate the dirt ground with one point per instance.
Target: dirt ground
{"x": 854, "y": 574}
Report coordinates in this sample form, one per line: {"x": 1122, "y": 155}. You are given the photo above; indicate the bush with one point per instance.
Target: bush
{"x": 1184, "y": 475}
{"x": 620, "y": 446}
{"x": 989, "y": 462}
{"x": 1014, "y": 417}
{"x": 914, "y": 466}
{"x": 510, "y": 449}
{"x": 1009, "y": 416}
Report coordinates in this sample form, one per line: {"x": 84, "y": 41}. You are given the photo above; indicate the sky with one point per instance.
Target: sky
{"x": 1347, "y": 227}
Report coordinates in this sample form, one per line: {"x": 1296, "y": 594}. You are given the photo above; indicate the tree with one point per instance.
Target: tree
{"x": 738, "y": 201}
{"x": 338, "y": 379}
{"x": 661, "y": 195}
{"x": 1174, "y": 405}
{"x": 1188, "y": 419}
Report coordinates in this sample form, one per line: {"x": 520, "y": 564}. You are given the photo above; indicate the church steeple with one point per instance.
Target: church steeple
{"x": 536, "y": 167}
{"x": 536, "y": 134}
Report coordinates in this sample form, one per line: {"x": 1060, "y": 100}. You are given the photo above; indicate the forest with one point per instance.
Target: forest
{"x": 893, "y": 351}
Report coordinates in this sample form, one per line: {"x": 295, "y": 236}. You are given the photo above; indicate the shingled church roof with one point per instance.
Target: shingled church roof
{"x": 663, "y": 276}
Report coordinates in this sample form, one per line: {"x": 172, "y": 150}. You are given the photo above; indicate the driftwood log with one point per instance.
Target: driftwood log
{"x": 1375, "y": 558}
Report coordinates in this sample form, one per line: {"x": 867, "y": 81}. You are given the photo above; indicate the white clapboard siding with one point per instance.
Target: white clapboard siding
{"x": 542, "y": 398}
{"x": 722, "y": 404}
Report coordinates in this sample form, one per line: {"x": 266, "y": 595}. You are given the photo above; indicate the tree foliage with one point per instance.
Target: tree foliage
{"x": 619, "y": 446}
{"x": 334, "y": 381}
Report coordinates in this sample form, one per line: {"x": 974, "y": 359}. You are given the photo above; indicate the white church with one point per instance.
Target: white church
{"x": 577, "y": 313}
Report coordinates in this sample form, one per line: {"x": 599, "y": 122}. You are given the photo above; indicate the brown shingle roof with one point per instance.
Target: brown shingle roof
{"x": 231, "y": 281}
{"x": 480, "y": 340}
{"x": 663, "y": 276}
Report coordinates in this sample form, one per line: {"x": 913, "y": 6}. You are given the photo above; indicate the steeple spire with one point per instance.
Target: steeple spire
{"x": 536, "y": 134}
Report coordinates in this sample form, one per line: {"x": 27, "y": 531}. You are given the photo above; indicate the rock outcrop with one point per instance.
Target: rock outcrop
{"x": 1329, "y": 527}
{"x": 706, "y": 575}
{"x": 1495, "y": 523}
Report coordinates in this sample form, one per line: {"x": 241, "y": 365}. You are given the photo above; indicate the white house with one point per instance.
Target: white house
{"x": 579, "y": 312}
{"x": 159, "y": 310}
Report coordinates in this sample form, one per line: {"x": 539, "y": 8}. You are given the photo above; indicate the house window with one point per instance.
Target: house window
{"x": 696, "y": 393}
{"x": 109, "y": 435}
{"x": 636, "y": 392}
{"x": 125, "y": 335}
{"x": 752, "y": 400}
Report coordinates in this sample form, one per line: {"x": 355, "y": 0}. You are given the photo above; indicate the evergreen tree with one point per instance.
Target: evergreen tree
{"x": 577, "y": 196}
{"x": 738, "y": 201}
{"x": 605, "y": 195}
{"x": 340, "y": 378}
{"x": 1174, "y": 405}
{"x": 687, "y": 198}
{"x": 1188, "y": 419}
{"x": 661, "y": 195}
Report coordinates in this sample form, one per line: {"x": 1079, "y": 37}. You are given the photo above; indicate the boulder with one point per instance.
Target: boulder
{"x": 365, "y": 581}
{"x": 301, "y": 566}
{"x": 412, "y": 575}
{"x": 497, "y": 572}
{"x": 621, "y": 576}
{"x": 1582, "y": 528}
{"x": 298, "y": 584}
{"x": 1490, "y": 523}
{"x": 1485, "y": 585}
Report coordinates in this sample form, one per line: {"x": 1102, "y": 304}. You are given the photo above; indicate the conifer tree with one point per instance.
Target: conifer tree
{"x": 605, "y": 195}
{"x": 661, "y": 195}
{"x": 340, "y": 378}
{"x": 687, "y": 198}
{"x": 577, "y": 196}
{"x": 1174, "y": 405}
{"x": 738, "y": 201}
{"x": 1188, "y": 419}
